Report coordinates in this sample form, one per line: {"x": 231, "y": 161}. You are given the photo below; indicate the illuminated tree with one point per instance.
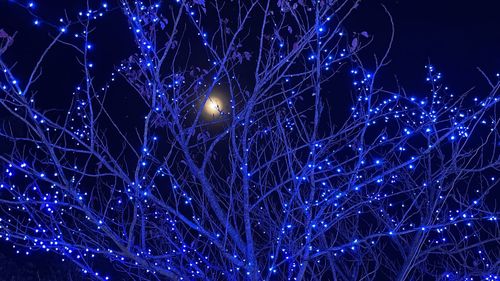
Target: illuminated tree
{"x": 236, "y": 162}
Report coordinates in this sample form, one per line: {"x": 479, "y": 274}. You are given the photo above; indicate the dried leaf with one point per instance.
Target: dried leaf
{"x": 354, "y": 44}
{"x": 247, "y": 55}
{"x": 200, "y": 2}
{"x": 162, "y": 25}
{"x": 238, "y": 56}
{"x": 6, "y": 40}
{"x": 3, "y": 34}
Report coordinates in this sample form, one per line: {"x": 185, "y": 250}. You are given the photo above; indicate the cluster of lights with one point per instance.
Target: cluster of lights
{"x": 351, "y": 178}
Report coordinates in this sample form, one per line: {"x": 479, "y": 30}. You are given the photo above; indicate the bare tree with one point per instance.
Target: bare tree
{"x": 238, "y": 164}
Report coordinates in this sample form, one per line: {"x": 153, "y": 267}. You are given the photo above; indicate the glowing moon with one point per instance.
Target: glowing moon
{"x": 213, "y": 106}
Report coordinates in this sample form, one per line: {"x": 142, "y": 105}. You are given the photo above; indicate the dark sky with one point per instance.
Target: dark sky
{"x": 457, "y": 36}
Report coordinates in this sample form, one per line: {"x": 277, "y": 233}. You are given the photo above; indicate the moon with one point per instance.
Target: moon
{"x": 213, "y": 106}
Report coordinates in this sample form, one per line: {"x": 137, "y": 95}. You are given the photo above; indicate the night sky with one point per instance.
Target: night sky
{"x": 457, "y": 37}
